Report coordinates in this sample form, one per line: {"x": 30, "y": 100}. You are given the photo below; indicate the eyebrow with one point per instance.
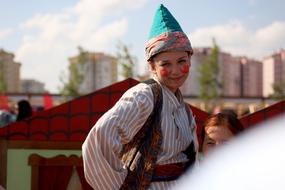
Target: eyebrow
{"x": 183, "y": 57}
{"x": 165, "y": 61}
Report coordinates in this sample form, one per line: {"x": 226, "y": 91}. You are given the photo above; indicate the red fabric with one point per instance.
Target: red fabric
{"x": 100, "y": 102}
{"x": 84, "y": 184}
{"x": 54, "y": 177}
{"x": 70, "y": 122}
{"x": 175, "y": 170}
{"x": 200, "y": 117}
{"x": 4, "y": 102}
{"x": 80, "y": 105}
{"x": 48, "y": 102}
{"x": 264, "y": 114}
{"x": 18, "y": 130}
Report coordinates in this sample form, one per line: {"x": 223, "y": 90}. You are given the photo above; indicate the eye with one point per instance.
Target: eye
{"x": 182, "y": 61}
{"x": 211, "y": 143}
{"x": 164, "y": 64}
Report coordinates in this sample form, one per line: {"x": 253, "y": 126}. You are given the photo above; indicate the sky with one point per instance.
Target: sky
{"x": 43, "y": 34}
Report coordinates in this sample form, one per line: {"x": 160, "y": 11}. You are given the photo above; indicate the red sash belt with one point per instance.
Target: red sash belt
{"x": 168, "y": 172}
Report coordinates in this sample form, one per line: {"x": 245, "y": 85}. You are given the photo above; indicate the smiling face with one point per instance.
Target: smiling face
{"x": 171, "y": 68}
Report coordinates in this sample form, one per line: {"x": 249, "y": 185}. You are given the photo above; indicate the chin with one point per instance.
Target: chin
{"x": 178, "y": 85}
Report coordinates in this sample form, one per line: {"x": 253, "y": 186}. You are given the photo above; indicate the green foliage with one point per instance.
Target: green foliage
{"x": 207, "y": 82}
{"x": 82, "y": 57}
{"x": 3, "y": 86}
{"x": 125, "y": 60}
{"x": 279, "y": 91}
{"x": 71, "y": 85}
{"x": 208, "y": 76}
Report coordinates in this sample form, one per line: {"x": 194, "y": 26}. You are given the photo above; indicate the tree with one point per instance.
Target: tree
{"x": 208, "y": 77}
{"x": 125, "y": 60}
{"x": 71, "y": 85}
{"x": 279, "y": 91}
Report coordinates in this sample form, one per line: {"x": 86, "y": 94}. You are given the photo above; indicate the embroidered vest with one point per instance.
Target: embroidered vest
{"x": 140, "y": 154}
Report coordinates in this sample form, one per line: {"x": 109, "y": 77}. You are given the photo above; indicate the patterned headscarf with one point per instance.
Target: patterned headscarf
{"x": 166, "y": 35}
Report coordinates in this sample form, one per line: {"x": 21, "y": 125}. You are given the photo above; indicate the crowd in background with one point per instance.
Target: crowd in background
{"x": 17, "y": 112}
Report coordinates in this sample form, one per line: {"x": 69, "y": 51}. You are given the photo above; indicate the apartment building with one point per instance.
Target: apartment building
{"x": 273, "y": 71}
{"x": 191, "y": 86}
{"x": 230, "y": 75}
{"x": 10, "y": 71}
{"x": 99, "y": 70}
{"x": 252, "y": 75}
{"x": 32, "y": 86}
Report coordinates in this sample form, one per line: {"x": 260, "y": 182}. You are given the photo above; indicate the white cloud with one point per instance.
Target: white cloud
{"x": 270, "y": 37}
{"x": 5, "y": 32}
{"x": 252, "y": 2}
{"x": 105, "y": 35}
{"x": 50, "y": 39}
{"x": 235, "y": 38}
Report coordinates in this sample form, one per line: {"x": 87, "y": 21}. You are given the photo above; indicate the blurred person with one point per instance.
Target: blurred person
{"x": 24, "y": 110}
{"x": 159, "y": 152}
{"x": 254, "y": 160}
{"x": 219, "y": 129}
{"x": 6, "y": 118}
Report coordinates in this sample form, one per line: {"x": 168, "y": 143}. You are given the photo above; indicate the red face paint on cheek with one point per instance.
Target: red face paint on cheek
{"x": 163, "y": 72}
{"x": 185, "y": 68}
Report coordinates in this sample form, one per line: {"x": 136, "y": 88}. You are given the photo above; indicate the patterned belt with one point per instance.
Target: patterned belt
{"x": 168, "y": 172}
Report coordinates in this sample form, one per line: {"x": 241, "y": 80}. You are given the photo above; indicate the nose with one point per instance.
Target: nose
{"x": 176, "y": 69}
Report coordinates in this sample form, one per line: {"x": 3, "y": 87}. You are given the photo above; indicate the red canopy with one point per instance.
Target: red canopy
{"x": 4, "y": 102}
{"x": 48, "y": 102}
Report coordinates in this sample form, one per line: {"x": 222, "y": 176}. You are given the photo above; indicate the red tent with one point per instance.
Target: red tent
{"x": 4, "y": 102}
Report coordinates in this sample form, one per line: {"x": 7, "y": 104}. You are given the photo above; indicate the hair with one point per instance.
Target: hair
{"x": 226, "y": 119}
{"x": 24, "y": 109}
{"x": 190, "y": 53}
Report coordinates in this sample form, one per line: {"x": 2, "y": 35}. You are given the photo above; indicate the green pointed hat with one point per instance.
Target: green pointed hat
{"x": 166, "y": 34}
{"x": 163, "y": 22}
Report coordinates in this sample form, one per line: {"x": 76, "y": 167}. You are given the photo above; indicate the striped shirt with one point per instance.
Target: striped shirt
{"x": 102, "y": 167}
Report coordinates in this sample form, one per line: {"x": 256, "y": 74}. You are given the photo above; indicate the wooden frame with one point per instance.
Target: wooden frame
{"x": 3, "y": 162}
{"x": 36, "y": 160}
{"x": 15, "y": 144}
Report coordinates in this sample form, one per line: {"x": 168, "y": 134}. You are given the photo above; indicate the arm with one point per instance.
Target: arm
{"x": 102, "y": 167}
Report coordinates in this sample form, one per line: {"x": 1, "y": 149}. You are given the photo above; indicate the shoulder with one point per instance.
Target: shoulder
{"x": 139, "y": 91}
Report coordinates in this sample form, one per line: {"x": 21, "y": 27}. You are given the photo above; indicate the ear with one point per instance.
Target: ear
{"x": 151, "y": 66}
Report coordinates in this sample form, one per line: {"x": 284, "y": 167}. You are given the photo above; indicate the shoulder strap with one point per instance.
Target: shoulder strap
{"x": 149, "y": 81}
{"x": 140, "y": 155}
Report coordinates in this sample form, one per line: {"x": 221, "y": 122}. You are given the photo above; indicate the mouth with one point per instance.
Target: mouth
{"x": 176, "y": 78}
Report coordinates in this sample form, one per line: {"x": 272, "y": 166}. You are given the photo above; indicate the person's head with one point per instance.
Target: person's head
{"x": 168, "y": 50}
{"x": 218, "y": 129}
{"x": 24, "y": 109}
{"x": 171, "y": 68}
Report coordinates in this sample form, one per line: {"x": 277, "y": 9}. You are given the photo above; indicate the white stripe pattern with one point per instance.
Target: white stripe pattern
{"x": 102, "y": 167}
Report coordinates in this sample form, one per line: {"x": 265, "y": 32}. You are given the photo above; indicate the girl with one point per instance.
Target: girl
{"x": 147, "y": 140}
